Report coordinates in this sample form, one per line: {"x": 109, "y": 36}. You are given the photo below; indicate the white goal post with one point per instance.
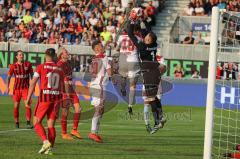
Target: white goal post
{"x": 208, "y": 137}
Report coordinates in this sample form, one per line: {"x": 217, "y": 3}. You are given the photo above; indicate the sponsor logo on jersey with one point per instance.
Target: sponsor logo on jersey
{"x": 151, "y": 48}
{"x": 22, "y": 76}
{"x": 52, "y": 67}
{"x": 51, "y": 92}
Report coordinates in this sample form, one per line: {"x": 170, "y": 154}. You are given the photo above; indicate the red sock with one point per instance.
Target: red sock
{"x": 16, "y": 114}
{"x": 28, "y": 113}
{"x": 64, "y": 124}
{"x": 76, "y": 118}
{"x": 51, "y": 135}
{"x": 40, "y": 131}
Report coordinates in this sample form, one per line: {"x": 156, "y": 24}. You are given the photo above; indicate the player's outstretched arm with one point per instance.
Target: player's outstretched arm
{"x": 131, "y": 35}
{"x": 31, "y": 89}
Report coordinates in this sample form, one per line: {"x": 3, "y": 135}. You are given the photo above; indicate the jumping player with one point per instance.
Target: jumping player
{"x": 51, "y": 87}
{"x": 149, "y": 69}
{"x": 100, "y": 70}
{"x": 22, "y": 71}
{"x": 128, "y": 67}
{"x": 69, "y": 97}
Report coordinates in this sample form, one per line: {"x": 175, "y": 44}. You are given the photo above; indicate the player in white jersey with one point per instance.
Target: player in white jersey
{"x": 101, "y": 71}
{"x": 128, "y": 67}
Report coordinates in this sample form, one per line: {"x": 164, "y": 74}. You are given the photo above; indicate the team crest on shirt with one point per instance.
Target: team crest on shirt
{"x": 26, "y": 68}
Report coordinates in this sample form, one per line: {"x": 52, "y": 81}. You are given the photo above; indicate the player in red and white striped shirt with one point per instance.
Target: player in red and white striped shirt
{"x": 22, "y": 71}
{"x": 69, "y": 96}
{"x": 50, "y": 98}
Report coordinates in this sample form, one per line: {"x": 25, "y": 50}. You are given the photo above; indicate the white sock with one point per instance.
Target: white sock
{"x": 146, "y": 113}
{"x": 131, "y": 98}
{"x": 95, "y": 124}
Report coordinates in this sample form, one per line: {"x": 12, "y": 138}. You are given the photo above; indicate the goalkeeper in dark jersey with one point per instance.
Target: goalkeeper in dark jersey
{"x": 151, "y": 71}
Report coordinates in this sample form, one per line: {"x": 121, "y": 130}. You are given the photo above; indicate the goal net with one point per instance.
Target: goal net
{"x": 222, "y": 125}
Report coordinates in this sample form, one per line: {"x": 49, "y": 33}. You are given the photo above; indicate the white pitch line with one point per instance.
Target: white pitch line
{"x": 19, "y": 130}
{"x": 121, "y": 126}
{"x": 15, "y": 130}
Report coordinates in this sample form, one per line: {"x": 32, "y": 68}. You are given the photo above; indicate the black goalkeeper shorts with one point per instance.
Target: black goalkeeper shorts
{"x": 151, "y": 81}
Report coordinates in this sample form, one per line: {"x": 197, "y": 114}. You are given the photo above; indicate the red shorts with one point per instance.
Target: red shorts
{"x": 20, "y": 94}
{"x": 73, "y": 98}
{"x": 46, "y": 108}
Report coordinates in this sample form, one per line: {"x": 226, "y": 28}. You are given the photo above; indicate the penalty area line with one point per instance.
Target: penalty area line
{"x": 20, "y": 130}
{"x": 106, "y": 125}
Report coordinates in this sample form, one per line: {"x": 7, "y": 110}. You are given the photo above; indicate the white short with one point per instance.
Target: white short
{"x": 98, "y": 95}
{"x": 128, "y": 69}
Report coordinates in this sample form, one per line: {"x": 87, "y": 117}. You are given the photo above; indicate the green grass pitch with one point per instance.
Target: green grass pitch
{"x": 181, "y": 138}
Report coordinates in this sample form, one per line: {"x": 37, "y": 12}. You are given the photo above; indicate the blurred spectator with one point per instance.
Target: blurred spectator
{"x": 27, "y": 5}
{"x": 85, "y": 39}
{"x": 208, "y": 7}
{"x": 199, "y": 10}
{"x": 222, "y": 4}
{"x": 52, "y": 39}
{"x": 2, "y": 13}
{"x": 65, "y": 21}
{"x": 227, "y": 71}
{"x": 196, "y": 75}
{"x": 199, "y": 39}
{"x": 178, "y": 72}
{"x": 229, "y": 33}
{"x": 232, "y": 5}
{"x": 125, "y": 3}
{"x": 105, "y": 34}
{"x": 151, "y": 10}
{"x": 189, "y": 39}
{"x": 230, "y": 71}
{"x": 204, "y": 7}
{"x": 107, "y": 14}
{"x": 219, "y": 71}
{"x": 23, "y": 39}
{"x": 93, "y": 20}
{"x": 13, "y": 38}
{"x": 190, "y": 8}
{"x": 13, "y": 10}
{"x": 37, "y": 18}
{"x": 77, "y": 42}
{"x": 27, "y": 18}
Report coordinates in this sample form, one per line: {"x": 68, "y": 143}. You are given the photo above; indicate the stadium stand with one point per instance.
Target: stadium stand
{"x": 66, "y": 22}
{"x": 74, "y": 24}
